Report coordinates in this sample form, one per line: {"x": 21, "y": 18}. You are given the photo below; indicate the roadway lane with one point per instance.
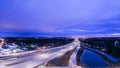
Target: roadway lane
{"x": 34, "y": 58}
{"x": 73, "y": 61}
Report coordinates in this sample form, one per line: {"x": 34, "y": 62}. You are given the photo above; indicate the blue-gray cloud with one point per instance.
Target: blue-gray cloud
{"x": 50, "y": 16}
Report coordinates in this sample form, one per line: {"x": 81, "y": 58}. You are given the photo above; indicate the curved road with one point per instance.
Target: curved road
{"x": 35, "y": 58}
{"x": 81, "y": 57}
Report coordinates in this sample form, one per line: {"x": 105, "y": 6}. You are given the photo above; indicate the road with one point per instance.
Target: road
{"x": 82, "y": 56}
{"x": 35, "y": 58}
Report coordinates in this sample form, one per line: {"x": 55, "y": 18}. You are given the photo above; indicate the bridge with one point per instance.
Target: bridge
{"x": 44, "y": 57}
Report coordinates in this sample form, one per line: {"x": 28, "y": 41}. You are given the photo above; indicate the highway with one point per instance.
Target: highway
{"x": 82, "y": 56}
{"x": 36, "y": 58}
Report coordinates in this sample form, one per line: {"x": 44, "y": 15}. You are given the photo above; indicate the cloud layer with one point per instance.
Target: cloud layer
{"x": 61, "y": 17}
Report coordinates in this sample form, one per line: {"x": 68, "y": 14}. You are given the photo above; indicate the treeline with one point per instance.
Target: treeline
{"x": 109, "y": 45}
{"x": 40, "y": 41}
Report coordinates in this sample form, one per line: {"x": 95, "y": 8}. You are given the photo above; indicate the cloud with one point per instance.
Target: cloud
{"x": 82, "y": 30}
{"x": 71, "y": 30}
{"x": 115, "y": 34}
{"x": 97, "y": 16}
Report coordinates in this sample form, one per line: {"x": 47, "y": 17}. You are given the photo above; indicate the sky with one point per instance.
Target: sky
{"x": 59, "y": 17}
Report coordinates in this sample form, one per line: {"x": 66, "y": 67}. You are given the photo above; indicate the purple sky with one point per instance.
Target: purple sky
{"x": 59, "y": 17}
